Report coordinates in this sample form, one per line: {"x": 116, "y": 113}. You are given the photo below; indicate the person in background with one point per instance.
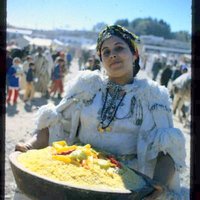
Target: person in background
{"x": 26, "y": 63}
{"x": 166, "y": 75}
{"x": 157, "y": 66}
{"x": 89, "y": 64}
{"x": 50, "y": 62}
{"x": 57, "y": 77}
{"x": 55, "y": 54}
{"x": 118, "y": 113}
{"x": 178, "y": 71}
{"x": 9, "y": 62}
{"x": 96, "y": 65}
{"x": 41, "y": 73}
{"x": 68, "y": 60}
{"x": 25, "y": 67}
{"x": 184, "y": 69}
{"x": 29, "y": 89}
{"x": 181, "y": 90}
{"x": 13, "y": 73}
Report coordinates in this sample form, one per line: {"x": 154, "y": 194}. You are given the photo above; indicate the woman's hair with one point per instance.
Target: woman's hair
{"x": 126, "y": 36}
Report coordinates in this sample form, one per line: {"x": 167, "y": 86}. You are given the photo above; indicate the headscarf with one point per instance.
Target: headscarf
{"x": 125, "y": 35}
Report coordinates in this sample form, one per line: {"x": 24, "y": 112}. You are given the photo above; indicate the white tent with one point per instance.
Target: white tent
{"x": 23, "y": 41}
{"x": 58, "y": 42}
{"x": 89, "y": 46}
{"x": 41, "y": 42}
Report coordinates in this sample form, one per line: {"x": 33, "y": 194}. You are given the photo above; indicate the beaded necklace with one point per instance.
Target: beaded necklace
{"x": 110, "y": 107}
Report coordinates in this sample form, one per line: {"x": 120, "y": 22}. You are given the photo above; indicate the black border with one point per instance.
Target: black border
{"x": 195, "y": 104}
{"x": 2, "y": 94}
{"x": 195, "y": 101}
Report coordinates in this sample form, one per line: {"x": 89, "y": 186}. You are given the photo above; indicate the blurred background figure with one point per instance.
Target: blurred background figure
{"x": 42, "y": 73}
{"x": 83, "y": 59}
{"x": 68, "y": 60}
{"x": 166, "y": 75}
{"x": 96, "y": 65}
{"x": 14, "y": 72}
{"x": 182, "y": 93}
{"x": 25, "y": 66}
{"x": 178, "y": 71}
{"x": 9, "y": 62}
{"x": 50, "y": 62}
{"x": 29, "y": 89}
{"x": 89, "y": 63}
{"x": 57, "y": 78}
{"x": 157, "y": 66}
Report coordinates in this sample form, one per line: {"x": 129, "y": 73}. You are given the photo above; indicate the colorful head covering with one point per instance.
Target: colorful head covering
{"x": 119, "y": 31}
{"x": 124, "y": 34}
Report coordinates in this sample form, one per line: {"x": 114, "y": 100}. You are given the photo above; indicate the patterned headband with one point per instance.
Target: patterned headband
{"x": 121, "y": 32}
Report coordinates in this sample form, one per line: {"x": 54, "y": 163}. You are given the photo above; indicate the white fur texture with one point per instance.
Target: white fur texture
{"x": 47, "y": 116}
{"x": 84, "y": 85}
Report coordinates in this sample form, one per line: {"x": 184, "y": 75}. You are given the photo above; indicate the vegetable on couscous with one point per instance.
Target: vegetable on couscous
{"x": 81, "y": 166}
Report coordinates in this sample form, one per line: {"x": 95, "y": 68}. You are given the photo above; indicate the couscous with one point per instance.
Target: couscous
{"x": 81, "y": 166}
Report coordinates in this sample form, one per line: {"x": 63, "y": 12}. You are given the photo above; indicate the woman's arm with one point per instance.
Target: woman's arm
{"x": 163, "y": 173}
{"x": 38, "y": 141}
{"x": 164, "y": 169}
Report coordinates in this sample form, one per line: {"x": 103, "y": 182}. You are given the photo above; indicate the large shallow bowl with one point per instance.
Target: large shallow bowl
{"x": 41, "y": 188}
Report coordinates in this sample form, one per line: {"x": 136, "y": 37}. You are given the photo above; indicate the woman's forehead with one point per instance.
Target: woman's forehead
{"x": 113, "y": 40}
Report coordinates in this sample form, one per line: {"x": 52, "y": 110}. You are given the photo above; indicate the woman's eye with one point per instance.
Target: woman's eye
{"x": 106, "y": 53}
{"x": 118, "y": 49}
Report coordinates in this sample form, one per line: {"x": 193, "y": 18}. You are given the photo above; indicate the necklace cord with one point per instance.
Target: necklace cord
{"x": 113, "y": 115}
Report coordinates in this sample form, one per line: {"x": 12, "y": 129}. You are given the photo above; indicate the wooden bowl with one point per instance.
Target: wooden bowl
{"x": 41, "y": 188}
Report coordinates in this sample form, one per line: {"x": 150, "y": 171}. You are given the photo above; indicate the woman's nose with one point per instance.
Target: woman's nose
{"x": 113, "y": 54}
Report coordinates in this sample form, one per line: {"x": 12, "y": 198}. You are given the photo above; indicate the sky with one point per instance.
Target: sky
{"x": 84, "y": 14}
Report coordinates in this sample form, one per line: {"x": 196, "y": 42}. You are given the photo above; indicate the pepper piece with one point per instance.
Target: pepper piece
{"x": 114, "y": 161}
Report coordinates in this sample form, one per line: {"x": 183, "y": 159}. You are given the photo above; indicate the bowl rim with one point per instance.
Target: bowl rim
{"x": 13, "y": 160}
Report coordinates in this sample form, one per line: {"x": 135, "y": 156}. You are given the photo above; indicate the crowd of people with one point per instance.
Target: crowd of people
{"x": 173, "y": 72}
{"x": 176, "y": 76}
{"x": 40, "y": 71}
{"x": 44, "y": 71}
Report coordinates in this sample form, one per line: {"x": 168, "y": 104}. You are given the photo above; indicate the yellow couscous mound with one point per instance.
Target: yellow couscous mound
{"x": 80, "y": 166}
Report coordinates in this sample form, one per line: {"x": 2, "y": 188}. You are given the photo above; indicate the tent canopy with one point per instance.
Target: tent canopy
{"x": 41, "y": 42}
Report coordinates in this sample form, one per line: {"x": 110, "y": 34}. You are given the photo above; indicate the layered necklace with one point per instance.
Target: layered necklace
{"x": 110, "y": 106}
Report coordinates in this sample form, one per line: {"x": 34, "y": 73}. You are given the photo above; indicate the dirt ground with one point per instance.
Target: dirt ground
{"x": 20, "y": 124}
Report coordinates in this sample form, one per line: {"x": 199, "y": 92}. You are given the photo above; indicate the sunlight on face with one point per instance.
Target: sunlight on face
{"x": 117, "y": 59}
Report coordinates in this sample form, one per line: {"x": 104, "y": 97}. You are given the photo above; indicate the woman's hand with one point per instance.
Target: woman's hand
{"x": 39, "y": 140}
{"x": 157, "y": 192}
{"x": 163, "y": 173}
{"x": 23, "y": 147}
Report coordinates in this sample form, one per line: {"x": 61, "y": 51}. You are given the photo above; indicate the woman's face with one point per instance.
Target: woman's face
{"x": 118, "y": 60}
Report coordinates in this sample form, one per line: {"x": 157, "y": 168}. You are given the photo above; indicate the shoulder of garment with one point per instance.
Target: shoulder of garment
{"x": 151, "y": 91}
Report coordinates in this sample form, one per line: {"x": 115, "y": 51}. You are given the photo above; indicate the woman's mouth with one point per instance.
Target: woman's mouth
{"x": 115, "y": 64}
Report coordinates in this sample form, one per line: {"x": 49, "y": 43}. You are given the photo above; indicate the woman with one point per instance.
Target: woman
{"x": 118, "y": 113}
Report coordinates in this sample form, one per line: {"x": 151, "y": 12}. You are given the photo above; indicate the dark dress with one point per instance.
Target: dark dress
{"x": 166, "y": 76}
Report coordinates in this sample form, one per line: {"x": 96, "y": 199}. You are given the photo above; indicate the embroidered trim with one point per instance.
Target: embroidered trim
{"x": 158, "y": 106}
{"x": 135, "y": 108}
{"x": 131, "y": 110}
{"x": 110, "y": 108}
{"x": 90, "y": 101}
